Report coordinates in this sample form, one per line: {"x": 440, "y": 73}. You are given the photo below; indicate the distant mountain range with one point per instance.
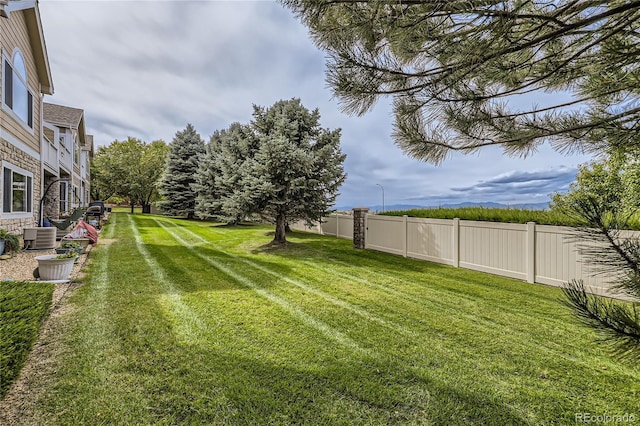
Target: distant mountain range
{"x": 488, "y": 204}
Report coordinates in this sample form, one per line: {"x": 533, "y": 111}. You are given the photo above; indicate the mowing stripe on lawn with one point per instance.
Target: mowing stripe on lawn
{"x": 404, "y": 296}
{"x": 336, "y": 301}
{"x": 96, "y": 330}
{"x": 432, "y": 300}
{"x": 192, "y": 324}
{"x": 419, "y": 300}
{"x": 311, "y": 321}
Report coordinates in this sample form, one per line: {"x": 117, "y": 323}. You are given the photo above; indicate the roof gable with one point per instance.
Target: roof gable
{"x": 36, "y": 38}
{"x": 62, "y": 116}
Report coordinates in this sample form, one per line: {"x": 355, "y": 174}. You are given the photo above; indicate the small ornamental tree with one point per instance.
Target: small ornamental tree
{"x": 296, "y": 170}
{"x": 185, "y": 152}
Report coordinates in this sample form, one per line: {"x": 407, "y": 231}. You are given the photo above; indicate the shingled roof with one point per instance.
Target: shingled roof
{"x": 62, "y": 116}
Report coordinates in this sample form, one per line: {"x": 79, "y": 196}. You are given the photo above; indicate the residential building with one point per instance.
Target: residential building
{"x": 25, "y": 77}
{"x": 45, "y": 152}
{"x": 66, "y": 125}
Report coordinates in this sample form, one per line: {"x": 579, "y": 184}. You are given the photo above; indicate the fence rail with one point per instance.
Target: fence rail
{"x": 530, "y": 252}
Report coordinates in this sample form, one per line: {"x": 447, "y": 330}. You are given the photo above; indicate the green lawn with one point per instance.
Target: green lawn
{"x": 22, "y": 307}
{"x": 190, "y": 323}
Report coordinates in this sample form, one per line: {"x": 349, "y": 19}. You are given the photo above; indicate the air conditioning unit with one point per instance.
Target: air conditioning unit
{"x": 39, "y": 238}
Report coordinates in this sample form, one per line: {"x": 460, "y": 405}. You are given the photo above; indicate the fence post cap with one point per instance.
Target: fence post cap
{"x": 361, "y": 209}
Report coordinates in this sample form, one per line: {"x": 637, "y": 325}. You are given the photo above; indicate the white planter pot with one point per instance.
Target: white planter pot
{"x": 84, "y": 242}
{"x": 52, "y": 269}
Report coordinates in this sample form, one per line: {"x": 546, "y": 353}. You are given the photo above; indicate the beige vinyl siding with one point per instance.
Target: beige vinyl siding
{"x": 14, "y": 34}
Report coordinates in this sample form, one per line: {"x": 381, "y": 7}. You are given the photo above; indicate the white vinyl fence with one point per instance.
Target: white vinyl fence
{"x": 530, "y": 252}
{"x": 338, "y": 225}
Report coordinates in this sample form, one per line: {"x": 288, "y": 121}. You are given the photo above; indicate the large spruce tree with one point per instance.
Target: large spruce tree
{"x": 282, "y": 166}
{"x": 176, "y": 185}
{"x": 219, "y": 179}
{"x": 297, "y": 169}
{"x": 205, "y": 185}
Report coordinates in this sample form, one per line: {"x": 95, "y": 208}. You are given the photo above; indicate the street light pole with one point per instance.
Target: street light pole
{"x": 381, "y": 187}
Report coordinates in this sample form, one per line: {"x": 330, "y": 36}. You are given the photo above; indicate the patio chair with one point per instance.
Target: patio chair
{"x": 75, "y": 215}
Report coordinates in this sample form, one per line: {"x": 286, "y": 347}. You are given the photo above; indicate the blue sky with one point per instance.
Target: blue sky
{"x": 147, "y": 68}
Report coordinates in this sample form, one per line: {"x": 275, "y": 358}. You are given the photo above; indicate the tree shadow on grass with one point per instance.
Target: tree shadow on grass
{"x": 208, "y": 380}
{"x": 186, "y": 268}
{"x": 332, "y": 252}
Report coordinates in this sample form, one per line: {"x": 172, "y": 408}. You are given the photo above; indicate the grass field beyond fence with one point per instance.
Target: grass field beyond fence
{"x": 542, "y": 217}
{"x": 22, "y": 307}
{"x": 185, "y": 322}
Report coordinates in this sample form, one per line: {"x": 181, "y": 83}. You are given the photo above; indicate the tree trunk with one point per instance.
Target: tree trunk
{"x": 281, "y": 235}
{"x": 132, "y": 206}
{"x": 146, "y": 208}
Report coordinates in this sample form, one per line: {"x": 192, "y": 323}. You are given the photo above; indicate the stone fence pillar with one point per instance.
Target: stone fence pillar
{"x": 359, "y": 226}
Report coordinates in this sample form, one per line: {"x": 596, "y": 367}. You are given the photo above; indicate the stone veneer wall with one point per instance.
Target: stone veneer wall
{"x": 19, "y": 158}
{"x": 359, "y": 227}
{"x": 51, "y": 205}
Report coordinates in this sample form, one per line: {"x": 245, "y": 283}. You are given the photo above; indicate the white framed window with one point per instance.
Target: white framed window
{"x": 17, "y": 99}
{"x": 17, "y": 192}
{"x": 64, "y": 197}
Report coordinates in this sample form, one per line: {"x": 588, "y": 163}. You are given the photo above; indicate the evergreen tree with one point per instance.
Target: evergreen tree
{"x": 205, "y": 185}
{"x": 185, "y": 152}
{"x": 220, "y": 174}
{"x": 296, "y": 171}
{"x": 238, "y": 145}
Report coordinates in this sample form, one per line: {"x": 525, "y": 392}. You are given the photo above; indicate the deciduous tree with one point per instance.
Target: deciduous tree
{"x": 605, "y": 199}
{"x": 131, "y": 169}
